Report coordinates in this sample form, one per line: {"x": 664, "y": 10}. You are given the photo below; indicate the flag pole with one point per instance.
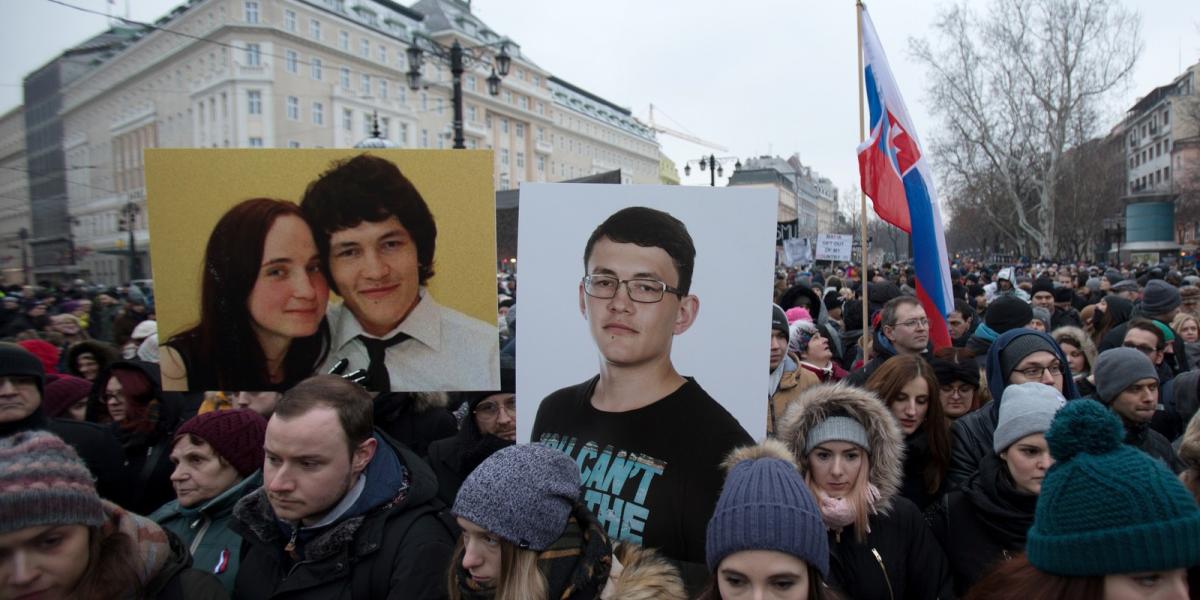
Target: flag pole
{"x": 862, "y": 195}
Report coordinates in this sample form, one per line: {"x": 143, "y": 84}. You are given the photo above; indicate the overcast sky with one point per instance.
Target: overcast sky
{"x": 756, "y": 76}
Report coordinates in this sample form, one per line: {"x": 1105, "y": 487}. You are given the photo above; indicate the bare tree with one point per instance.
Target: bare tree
{"x": 1012, "y": 86}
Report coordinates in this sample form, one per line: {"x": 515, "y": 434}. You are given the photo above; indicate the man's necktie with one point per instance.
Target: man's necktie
{"x": 377, "y": 373}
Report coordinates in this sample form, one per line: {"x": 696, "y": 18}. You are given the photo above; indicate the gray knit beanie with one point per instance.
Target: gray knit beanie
{"x": 1119, "y": 368}
{"x": 1160, "y": 298}
{"x": 839, "y": 429}
{"x": 44, "y": 482}
{"x": 1025, "y": 409}
{"x": 765, "y": 505}
{"x": 1020, "y": 347}
{"x": 1042, "y": 315}
{"x": 523, "y": 494}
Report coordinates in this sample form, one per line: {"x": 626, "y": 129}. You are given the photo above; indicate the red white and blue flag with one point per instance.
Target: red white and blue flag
{"x": 897, "y": 178}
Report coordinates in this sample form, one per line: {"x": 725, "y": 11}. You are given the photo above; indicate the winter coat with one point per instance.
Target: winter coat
{"x": 972, "y": 434}
{"x": 392, "y": 543}
{"x": 883, "y": 349}
{"x": 452, "y": 459}
{"x": 916, "y": 456}
{"x": 414, "y": 419}
{"x": 1153, "y": 443}
{"x": 1187, "y": 394}
{"x": 205, "y": 530}
{"x": 160, "y": 559}
{"x": 984, "y": 522}
{"x": 1065, "y": 317}
{"x": 790, "y": 386}
{"x": 104, "y": 353}
{"x": 899, "y": 558}
{"x": 101, "y": 320}
{"x": 816, "y": 307}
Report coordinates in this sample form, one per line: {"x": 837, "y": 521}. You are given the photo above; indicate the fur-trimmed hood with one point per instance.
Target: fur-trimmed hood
{"x": 642, "y": 574}
{"x": 820, "y": 402}
{"x": 1076, "y": 337}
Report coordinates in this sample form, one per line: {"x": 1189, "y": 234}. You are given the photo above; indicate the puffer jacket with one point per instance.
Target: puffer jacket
{"x": 205, "y": 530}
{"x": 899, "y": 559}
{"x": 392, "y": 543}
{"x": 972, "y": 434}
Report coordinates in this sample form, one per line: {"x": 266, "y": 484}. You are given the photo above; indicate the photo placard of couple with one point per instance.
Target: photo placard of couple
{"x": 273, "y": 265}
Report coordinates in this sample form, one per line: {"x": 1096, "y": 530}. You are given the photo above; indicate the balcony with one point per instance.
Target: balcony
{"x": 543, "y": 147}
{"x": 476, "y": 128}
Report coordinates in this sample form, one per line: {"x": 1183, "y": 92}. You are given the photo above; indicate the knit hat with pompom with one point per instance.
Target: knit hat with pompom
{"x": 1106, "y": 507}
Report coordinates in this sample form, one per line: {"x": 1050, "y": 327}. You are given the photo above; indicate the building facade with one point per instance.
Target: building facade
{"x": 308, "y": 74}
{"x": 803, "y": 194}
{"x": 16, "y": 221}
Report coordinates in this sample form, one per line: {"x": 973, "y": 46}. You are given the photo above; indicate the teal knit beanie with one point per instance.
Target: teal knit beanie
{"x": 1108, "y": 508}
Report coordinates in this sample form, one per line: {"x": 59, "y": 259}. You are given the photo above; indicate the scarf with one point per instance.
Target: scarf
{"x": 833, "y": 372}
{"x": 1005, "y": 512}
{"x": 838, "y": 513}
{"x": 986, "y": 333}
{"x": 150, "y": 541}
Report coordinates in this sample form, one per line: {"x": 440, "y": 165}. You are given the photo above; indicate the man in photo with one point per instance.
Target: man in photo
{"x": 376, "y": 239}
{"x": 649, "y": 441}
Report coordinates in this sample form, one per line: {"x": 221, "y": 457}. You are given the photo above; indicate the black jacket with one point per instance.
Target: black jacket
{"x": 883, "y": 350}
{"x": 984, "y": 522}
{"x": 178, "y": 581}
{"x": 916, "y": 456}
{"x": 414, "y": 419}
{"x": 899, "y": 560}
{"x": 454, "y": 458}
{"x": 399, "y": 549}
{"x": 1153, "y": 443}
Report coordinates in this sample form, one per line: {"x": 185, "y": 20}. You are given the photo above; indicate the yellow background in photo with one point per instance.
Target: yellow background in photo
{"x": 188, "y": 191}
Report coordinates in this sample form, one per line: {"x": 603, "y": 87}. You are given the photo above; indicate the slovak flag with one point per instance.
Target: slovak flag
{"x": 898, "y": 180}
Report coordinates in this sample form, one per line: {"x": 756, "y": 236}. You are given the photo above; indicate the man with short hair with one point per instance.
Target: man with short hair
{"x": 1127, "y": 382}
{"x": 1017, "y": 356}
{"x": 1160, "y": 302}
{"x": 1128, "y": 289}
{"x": 1154, "y": 340}
{"x": 903, "y": 329}
{"x": 218, "y": 459}
{"x": 490, "y": 424}
{"x": 376, "y": 237}
{"x": 1043, "y": 294}
{"x": 342, "y": 507}
{"x": 788, "y": 379}
{"x": 649, "y": 442}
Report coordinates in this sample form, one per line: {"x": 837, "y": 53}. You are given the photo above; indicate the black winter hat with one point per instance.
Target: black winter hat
{"x": 1042, "y": 285}
{"x": 1007, "y": 312}
{"x": 779, "y": 320}
{"x": 1064, "y": 295}
{"x": 15, "y": 360}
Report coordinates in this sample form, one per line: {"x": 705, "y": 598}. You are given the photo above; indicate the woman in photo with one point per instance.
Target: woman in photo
{"x": 262, "y": 305}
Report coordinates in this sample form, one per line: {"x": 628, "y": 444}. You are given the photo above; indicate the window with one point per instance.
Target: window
{"x": 293, "y": 144}
{"x": 440, "y": 103}
{"x": 251, "y": 11}
{"x": 537, "y": 81}
{"x": 1166, "y": 117}
{"x": 318, "y": 114}
{"x": 383, "y": 54}
{"x": 504, "y": 156}
{"x": 253, "y": 55}
{"x": 254, "y": 102}
{"x": 404, "y": 133}
{"x": 541, "y": 164}
{"x": 293, "y": 108}
{"x": 383, "y": 89}
{"x": 424, "y": 138}
{"x": 365, "y": 48}
{"x": 503, "y": 125}
{"x": 471, "y": 113}
{"x": 314, "y": 29}
{"x": 424, "y": 102}
{"x": 347, "y": 119}
{"x": 256, "y": 142}
{"x": 470, "y": 81}
{"x": 541, "y": 133}
{"x": 365, "y": 86}
{"x": 315, "y": 68}
{"x": 520, "y": 130}
{"x": 523, "y": 102}
{"x": 520, "y": 160}
{"x": 368, "y": 124}
{"x": 541, "y": 108}
{"x": 292, "y": 61}
{"x": 345, "y": 77}
{"x": 289, "y": 20}
{"x": 344, "y": 40}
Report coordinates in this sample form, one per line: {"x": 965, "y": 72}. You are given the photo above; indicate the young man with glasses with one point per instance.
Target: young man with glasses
{"x": 1017, "y": 356}
{"x": 648, "y": 441}
{"x": 1128, "y": 383}
{"x": 1154, "y": 340}
{"x": 903, "y": 329}
{"x": 490, "y": 424}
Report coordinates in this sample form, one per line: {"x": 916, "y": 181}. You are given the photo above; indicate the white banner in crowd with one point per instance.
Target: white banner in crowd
{"x": 797, "y": 251}
{"x": 834, "y": 246}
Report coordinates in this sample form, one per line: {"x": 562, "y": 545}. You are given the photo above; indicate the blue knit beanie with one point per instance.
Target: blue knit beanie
{"x": 524, "y": 494}
{"x": 1108, "y": 508}
{"x": 766, "y": 505}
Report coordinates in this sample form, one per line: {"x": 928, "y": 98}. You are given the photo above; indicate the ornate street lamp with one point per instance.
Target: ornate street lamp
{"x": 714, "y": 165}
{"x": 459, "y": 59}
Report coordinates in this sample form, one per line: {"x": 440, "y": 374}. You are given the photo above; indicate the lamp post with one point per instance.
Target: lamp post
{"x": 459, "y": 58}
{"x": 713, "y": 165}
{"x": 129, "y": 214}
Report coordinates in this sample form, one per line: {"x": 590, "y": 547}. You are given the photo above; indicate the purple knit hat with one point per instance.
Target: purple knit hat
{"x": 61, "y": 392}
{"x": 237, "y": 435}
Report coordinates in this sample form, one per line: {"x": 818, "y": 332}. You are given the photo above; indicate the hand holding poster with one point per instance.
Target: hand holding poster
{"x": 834, "y": 246}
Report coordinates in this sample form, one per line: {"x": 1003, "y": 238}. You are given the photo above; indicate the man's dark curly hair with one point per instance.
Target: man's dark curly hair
{"x": 368, "y": 188}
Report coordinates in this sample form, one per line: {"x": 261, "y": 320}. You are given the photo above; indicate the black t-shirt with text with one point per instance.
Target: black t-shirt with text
{"x": 651, "y": 475}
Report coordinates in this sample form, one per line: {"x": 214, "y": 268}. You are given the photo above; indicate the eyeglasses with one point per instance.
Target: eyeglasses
{"x": 646, "y": 291}
{"x": 1036, "y": 371}
{"x": 959, "y": 390}
{"x": 489, "y": 410}
{"x": 913, "y": 323}
{"x": 1147, "y": 350}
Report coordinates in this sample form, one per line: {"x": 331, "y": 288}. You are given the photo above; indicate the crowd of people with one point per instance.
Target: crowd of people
{"x": 1053, "y": 451}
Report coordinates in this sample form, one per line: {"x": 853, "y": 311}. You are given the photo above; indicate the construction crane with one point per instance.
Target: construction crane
{"x": 683, "y": 136}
